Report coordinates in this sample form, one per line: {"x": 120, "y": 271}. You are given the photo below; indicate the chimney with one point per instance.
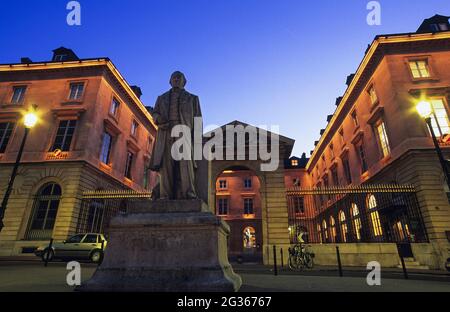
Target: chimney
{"x": 26, "y": 60}
{"x": 339, "y": 100}
{"x": 137, "y": 91}
{"x": 329, "y": 117}
{"x": 349, "y": 79}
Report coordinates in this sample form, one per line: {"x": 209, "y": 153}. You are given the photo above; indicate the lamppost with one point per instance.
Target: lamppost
{"x": 424, "y": 109}
{"x": 29, "y": 121}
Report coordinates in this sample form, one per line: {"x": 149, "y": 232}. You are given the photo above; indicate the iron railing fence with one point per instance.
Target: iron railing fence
{"x": 99, "y": 207}
{"x": 362, "y": 214}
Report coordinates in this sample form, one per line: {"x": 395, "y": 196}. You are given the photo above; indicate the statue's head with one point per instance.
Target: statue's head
{"x": 178, "y": 80}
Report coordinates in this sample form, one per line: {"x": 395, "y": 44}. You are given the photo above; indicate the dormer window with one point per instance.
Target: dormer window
{"x": 294, "y": 163}
{"x": 439, "y": 27}
{"x": 60, "y": 57}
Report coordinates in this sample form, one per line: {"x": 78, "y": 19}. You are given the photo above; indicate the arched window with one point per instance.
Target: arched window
{"x": 325, "y": 231}
{"x": 344, "y": 227}
{"x": 333, "y": 229}
{"x": 249, "y": 238}
{"x": 374, "y": 216}
{"x": 319, "y": 231}
{"x": 45, "y": 210}
{"x": 356, "y": 221}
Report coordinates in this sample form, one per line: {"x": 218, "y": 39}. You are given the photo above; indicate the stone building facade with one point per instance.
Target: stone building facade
{"x": 93, "y": 133}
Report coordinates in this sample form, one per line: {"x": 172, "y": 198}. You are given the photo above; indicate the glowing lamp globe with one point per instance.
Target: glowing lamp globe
{"x": 424, "y": 109}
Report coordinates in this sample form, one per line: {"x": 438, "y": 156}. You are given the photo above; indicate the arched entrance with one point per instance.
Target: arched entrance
{"x": 238, "y": 201}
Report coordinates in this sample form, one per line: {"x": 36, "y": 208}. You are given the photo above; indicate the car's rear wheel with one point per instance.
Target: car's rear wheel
{"x": 48, "y": 253}
{"x": 96, "y": 256}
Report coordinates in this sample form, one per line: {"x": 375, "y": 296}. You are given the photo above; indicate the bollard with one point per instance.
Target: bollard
{"x": 50, "y": 245}
{"x": 275, "y": 268}
{"x": 282, "y": 259}
{"x": 341, "y": 274}
{"x": 405, "y": 272}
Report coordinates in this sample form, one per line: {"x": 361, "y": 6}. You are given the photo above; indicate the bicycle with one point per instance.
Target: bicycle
{"x": 300, "y": 258}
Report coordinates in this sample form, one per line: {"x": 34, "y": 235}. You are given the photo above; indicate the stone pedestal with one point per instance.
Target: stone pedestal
{"x": 166, "y": 246}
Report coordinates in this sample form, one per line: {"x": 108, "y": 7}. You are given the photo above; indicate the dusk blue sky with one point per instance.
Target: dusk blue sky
{"x": 264, "y": 62}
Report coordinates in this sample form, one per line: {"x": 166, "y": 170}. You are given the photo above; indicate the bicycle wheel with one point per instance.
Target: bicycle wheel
{"x": 294, "y": 264}
{"x": 309, "y": 261}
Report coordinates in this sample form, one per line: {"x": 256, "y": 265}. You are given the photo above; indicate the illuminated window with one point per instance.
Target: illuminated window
{"x": 373, "y": 95}
{"x": 439, "y": 118}
{"x": 374, "y": 216}
{"x": 319, "y": 231}
{"x": 344, "y": 227}
{"x": 115, "y": 104}
{"x": 6, "y": 129}
{"x": 223, "y": 206}
{"x": 333, "y": 229}
{"x": 294, "y": 163}
{"x": 325, "y": 230}
{"x": 419, "y": 69}
{"x": 76, "y": 91}
{"x": 249, "y": 238}
{"x": 356, "y": 221}
{"x": 380, "y": 129}
{"x": 64, "y": 135}
{"x": 18, "y": 94}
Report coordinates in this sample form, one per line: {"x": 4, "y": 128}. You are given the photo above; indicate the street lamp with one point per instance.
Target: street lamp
{"x": 425, "y": 111}
{"x": 30, "y": 119}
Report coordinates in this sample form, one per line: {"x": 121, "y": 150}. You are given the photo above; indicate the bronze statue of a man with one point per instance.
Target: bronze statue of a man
{"x": 175, "y": 107}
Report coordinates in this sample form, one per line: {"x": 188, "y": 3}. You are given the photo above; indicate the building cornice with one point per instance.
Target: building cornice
{"x": 373, "y": 58}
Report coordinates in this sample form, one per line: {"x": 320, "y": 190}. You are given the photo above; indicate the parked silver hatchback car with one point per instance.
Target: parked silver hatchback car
{"x": 78, "y": 247}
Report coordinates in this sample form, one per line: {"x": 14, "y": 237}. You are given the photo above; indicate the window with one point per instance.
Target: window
{"x": 223, "y": 206}
{"x": 299, "y": 205}
{"x": 248, "y": 183}
{"x": 341, "y": 137}
{"x": 76, "y": 91}
{"x": 60, "y": 57}
{"x": 380, "y": 129}
{"x": 150, "y": 144}
{"x": 115, "y": 104}
{"x": 333, "y": 229}
{"x": 325, "y": 230}
{"x": 105, "y": 155}
{"x": 356, "y": 221}
{"x": 373, "y": 96}
{"x": 439, "y": 118}
{"x": 95, "y": 216}
{"x": 18, "y": 94}
{"x": 294, "y": 163}
{"x": 296, "y": 182}
{"x": 374, "y": 216}
{"x": 319, "y": 230}
{"x": 64, "y": 135}
{"x": 355, "y": 119}
{"x": 248, "y": 206}
{"x": 6, "y": 129}
{"x": 44, "y": 213}
{"x": 134, "y": 128}
{"x": 75, "y": 239}
{"x": 335, "y": 176}
{"x": 439, "y": 27}
{"x": 419, "y": 69}
{"x": 129, "y": 165}
{"x": 344, "y": 228}
{"x": 362, "y": 157}
{"x": 90, "y": 239}
{"x": 249, "y": 238}
{"x": 347, "y": 171}
{"x": 222, "y": 184}
{"x": 332, "y": 151}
